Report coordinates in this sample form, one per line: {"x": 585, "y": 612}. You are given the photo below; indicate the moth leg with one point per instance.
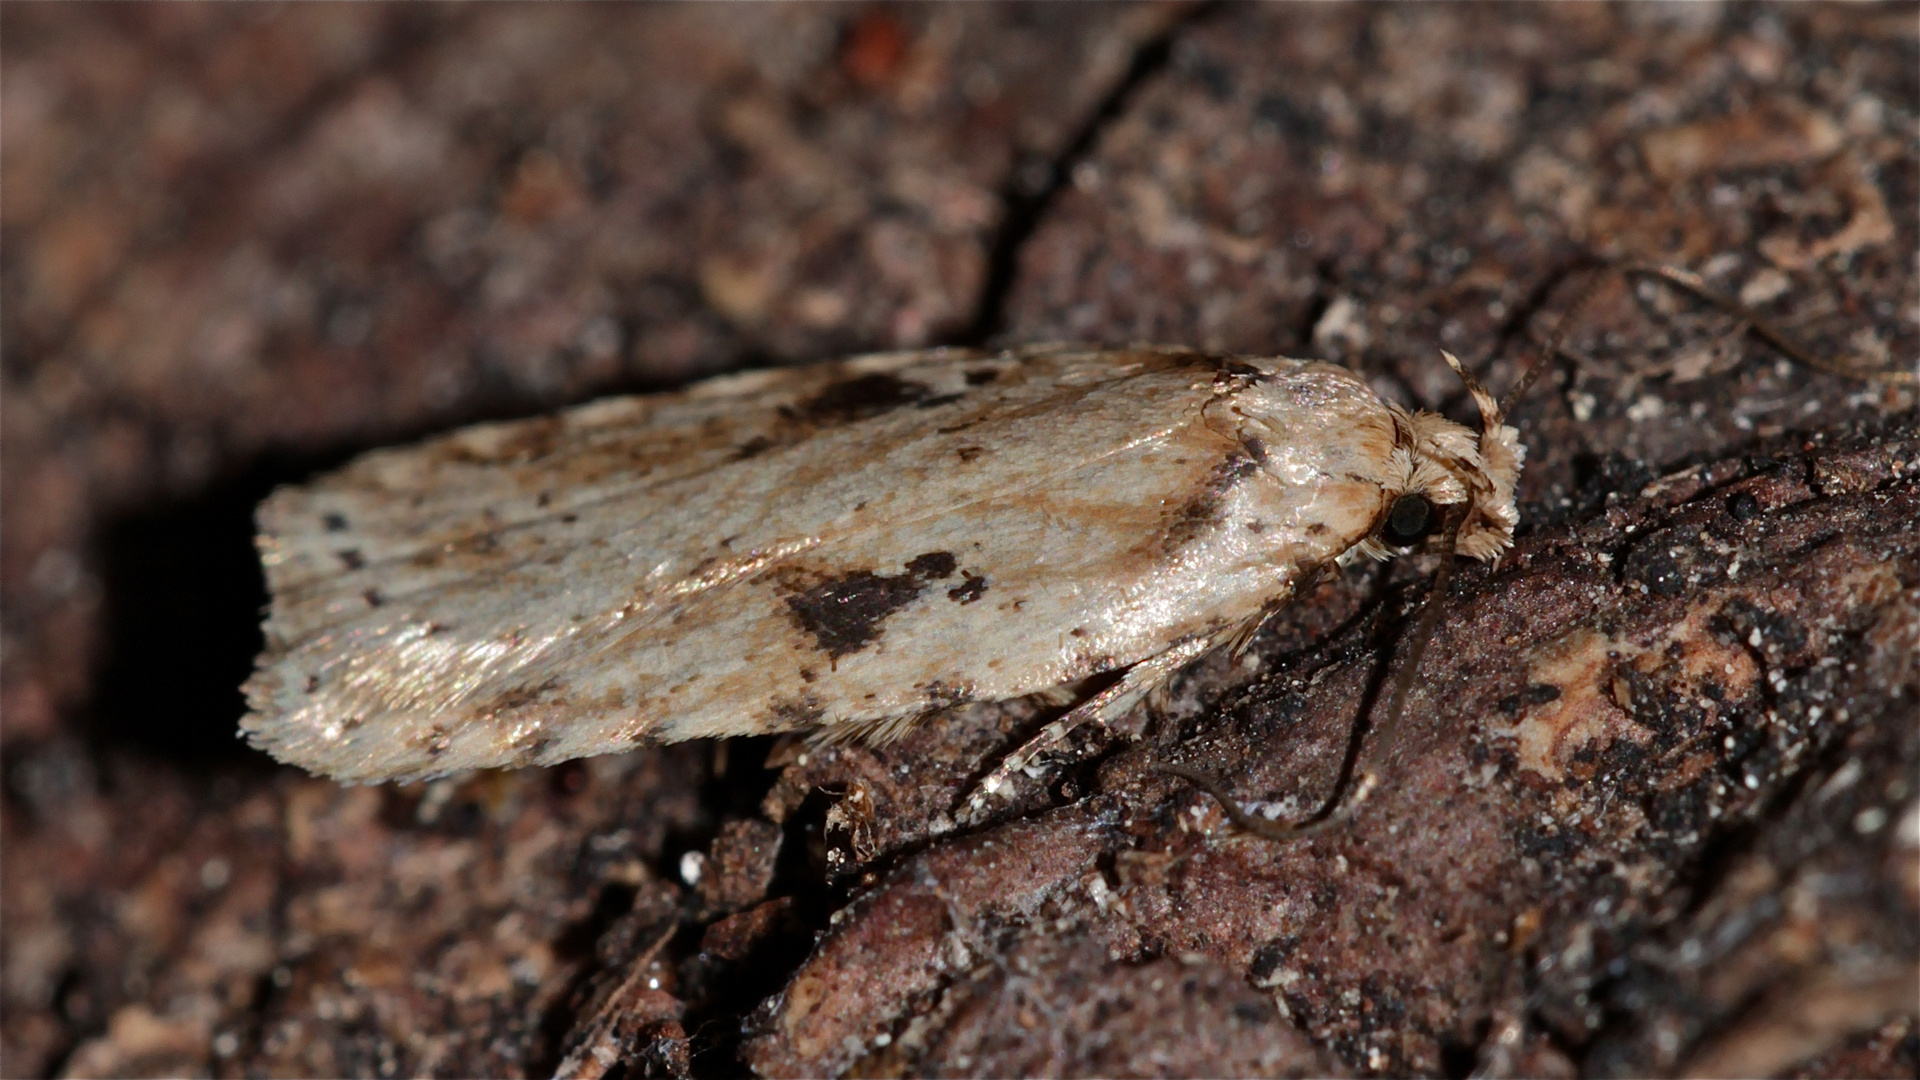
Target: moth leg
{"x": 1102, "y": 708}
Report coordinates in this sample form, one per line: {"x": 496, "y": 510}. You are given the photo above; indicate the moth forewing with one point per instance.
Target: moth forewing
{"x": 854, "y": 543}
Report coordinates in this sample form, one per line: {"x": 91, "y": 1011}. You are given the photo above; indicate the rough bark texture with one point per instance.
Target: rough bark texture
{"x": 1654, "y": 805}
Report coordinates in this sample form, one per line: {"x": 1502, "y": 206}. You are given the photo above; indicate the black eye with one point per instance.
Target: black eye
{"x": 1410, "y": 521}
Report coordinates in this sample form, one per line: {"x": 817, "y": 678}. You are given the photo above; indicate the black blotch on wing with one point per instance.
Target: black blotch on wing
{"x": 1206, "y": 509}
{"x": 1229, "y": 375}
{"x": 860, "y": 398}
{"x": 1256, "y": 449}
{"x": 843, "y": 613}
{"x": 974, "y": 589}
{"x": 933, "y": 564}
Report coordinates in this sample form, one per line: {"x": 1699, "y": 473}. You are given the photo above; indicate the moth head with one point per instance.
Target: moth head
{"x": 1441, "y": 469}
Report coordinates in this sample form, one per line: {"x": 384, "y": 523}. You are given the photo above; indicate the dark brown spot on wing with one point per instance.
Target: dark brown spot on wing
{"x": 843, "y": 614}
{"x": 436, "y": 740}
{"x": 933, "y": 564}
{"x": 1232, "y": 375}
{"x": 1193, "y": 519}
{"x": 861, "y": 397}
{"x": 1204, "y": 511}
{"x": 785, "y": 714}
{"x": 974, "y": 589}
{"x": 942, "y": 694}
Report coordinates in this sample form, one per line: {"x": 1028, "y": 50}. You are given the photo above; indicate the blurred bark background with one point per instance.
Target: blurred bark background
{"x": 1655, "y": 807}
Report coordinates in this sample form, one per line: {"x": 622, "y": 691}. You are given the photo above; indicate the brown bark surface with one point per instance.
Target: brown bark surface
{"x": 1653, "y": 808}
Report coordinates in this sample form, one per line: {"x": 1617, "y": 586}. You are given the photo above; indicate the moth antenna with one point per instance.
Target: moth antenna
{"x": 1320, "y": 822}
{"x": 1483, "y": 399}
{"x": 1689, "y": 282}
{"x": 1340, "y": 807}
{"x": 1560, "y": 328}
{"x": 1430, "y": 611}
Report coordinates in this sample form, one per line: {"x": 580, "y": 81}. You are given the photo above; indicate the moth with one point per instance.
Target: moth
{"x": 848, "y": 546}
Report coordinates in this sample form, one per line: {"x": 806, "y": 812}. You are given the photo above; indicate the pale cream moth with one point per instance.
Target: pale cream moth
{"x": 848, "y": 545}
{"x": 845, "y": 547}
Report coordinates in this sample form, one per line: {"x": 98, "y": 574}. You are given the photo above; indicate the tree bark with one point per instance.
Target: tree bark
{"x": 1652, "y": 806}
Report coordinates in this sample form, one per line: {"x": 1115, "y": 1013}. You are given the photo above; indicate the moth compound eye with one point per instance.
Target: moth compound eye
{"x": 1410, "y": 521}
